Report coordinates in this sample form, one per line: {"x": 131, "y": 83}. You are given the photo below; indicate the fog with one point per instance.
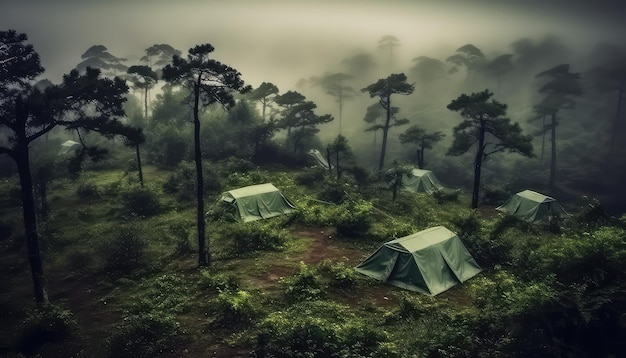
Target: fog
{"x": 284, "y": 42}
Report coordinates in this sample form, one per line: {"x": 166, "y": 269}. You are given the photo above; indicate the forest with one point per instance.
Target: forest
{"x": 116, "y": 241}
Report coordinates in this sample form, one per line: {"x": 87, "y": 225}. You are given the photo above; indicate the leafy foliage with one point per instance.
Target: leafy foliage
{"x": 144, "y": 336}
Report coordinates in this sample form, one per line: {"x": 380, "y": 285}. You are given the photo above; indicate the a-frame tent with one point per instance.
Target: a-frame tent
{"x": 430, "y": 261}
{"x": 421, "y": 181}
{"x": 531, "y": 206}
{"x": 257, "y": 202}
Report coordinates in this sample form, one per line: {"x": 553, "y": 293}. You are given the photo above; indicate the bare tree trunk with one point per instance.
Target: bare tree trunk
{"x": 145, "y": 104}
{"x": 30, "y": 222}
{"x": 478, "y": 161}
{"x": 139, "y": 165}
{"x": 543, "y": 138}
{"x": 553, "y": 159}
{"x": 204, "y": 256}
{"x": 381, "y": 163}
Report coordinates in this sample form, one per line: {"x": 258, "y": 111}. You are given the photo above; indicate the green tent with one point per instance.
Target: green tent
{"x": 421, "y": 181}
{"x": 257, "y": 202}
{"x": 430, "y": 261}
{"x": 318, "y": 159}
{"x": 532, "y": 206}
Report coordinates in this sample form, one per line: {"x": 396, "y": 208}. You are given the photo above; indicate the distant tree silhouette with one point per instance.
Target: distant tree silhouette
{"x": 483, "y": 125}
{"x": 373, "y": 114}
{"x": 418, "y": 135}
{"x": 287, "y": 101}
{"x": 210, "y": 82}
{"x": 560, "y": 89}
{"x": 264, "y": 94}
{"x": 608, "y": 77}
{"x": 427, "y": 69}
{"x": 143, "y": 78}
{"x": 82, "y": 101}
{"x": 498, "y": 67}
{"x": 341, "y": 152}
{"x": 359, "y": 65}
{"x": 468, "y": 56}
{"x": 334, "y": 85}
{"x": 384, "y": 88}
{"x": 97, "y": 56}
{"x": 389, "y": 42}
{"x": 304, "y": 121}
{"x": 159, "y": 55}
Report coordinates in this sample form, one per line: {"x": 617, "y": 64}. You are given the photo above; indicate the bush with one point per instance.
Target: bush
{"x": 124, "y": 253}
{"x": 320, "y": 329}
{"x": 182, "y": 182}
{"x": 338, "y": 274}
{"x": 144, "y": 335}
{"x": 354, "y": 218}
{"x": 303, "y": 285}
{"x": 87, "y": 190}
{"x": 444, "y": 196}
{"x": 218, "y": 282}
{"x": 494, "y": 196}
{"x": 181, "y": 233}
{"x": 141, "y": 201}
{"x": 235, "y": 306}
{"x": 311, "y": 177}
{"x": 166, "y": 294}
{"x": 253, "y": 237}
{"x": 44, "y": 324}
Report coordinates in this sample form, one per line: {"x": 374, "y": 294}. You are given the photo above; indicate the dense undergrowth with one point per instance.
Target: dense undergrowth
{"x": 126, "y": 255}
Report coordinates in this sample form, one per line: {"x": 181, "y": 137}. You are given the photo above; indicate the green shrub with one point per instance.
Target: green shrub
{"x": 87, "y": 190}
{"x": 354, "y": 218}
{"x": 253, "y": 237}
{"x": 303, "y": 285}
{"x": 217, "y": 281}
{"x": 165, "y": 294}
{"x": 445, "y": 196}
{"x": 311, "y": 177}
{"x": 235, "y": 306}
{"x": 338, "y": 274}
{"x": 320, "y": 329}
{"x": 125, "y": 252}
{"x": 181, "y": 232}
{"x": 144, "y": 336}
{"x": 494, "y": 196}
{"x": 182, "y": 182}
{"x": 333, "y": 191}
{"x": 47, "y": 323}
{"x": 140, "y": 201}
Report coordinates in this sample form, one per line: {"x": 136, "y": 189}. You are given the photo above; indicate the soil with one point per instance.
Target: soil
{"x": 84, "y": 298}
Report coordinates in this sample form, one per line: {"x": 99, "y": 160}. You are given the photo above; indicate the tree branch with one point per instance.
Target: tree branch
{"x": 40, "y": 133}
{"x": 9, "y": 152}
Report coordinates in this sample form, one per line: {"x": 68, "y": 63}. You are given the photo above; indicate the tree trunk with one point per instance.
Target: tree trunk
{"x": 381, "y": 164}
{"x": 478, "y": 165}
{"x": 543, "y": 138}
{"x": 204, "y": 256}
{"x": 30, "y": 221}
{"x": 139, "y": 166}
{"x": 330, "y": 167}
{"x": 337, "y": 163}
{"x": 145, "y": 104}
{"x": 553, "y": 159}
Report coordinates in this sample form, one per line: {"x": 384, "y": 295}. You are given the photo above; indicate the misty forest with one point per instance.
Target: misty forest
{"x": 167, "y": 200}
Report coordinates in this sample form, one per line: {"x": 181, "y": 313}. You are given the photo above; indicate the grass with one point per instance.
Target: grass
{"x": 167, "y": 290}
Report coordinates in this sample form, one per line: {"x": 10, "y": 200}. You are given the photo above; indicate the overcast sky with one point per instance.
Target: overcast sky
{"x": 281, "y": 40}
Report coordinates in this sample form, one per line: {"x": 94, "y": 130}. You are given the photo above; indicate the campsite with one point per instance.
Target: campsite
{"x": 312, "y": 179}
